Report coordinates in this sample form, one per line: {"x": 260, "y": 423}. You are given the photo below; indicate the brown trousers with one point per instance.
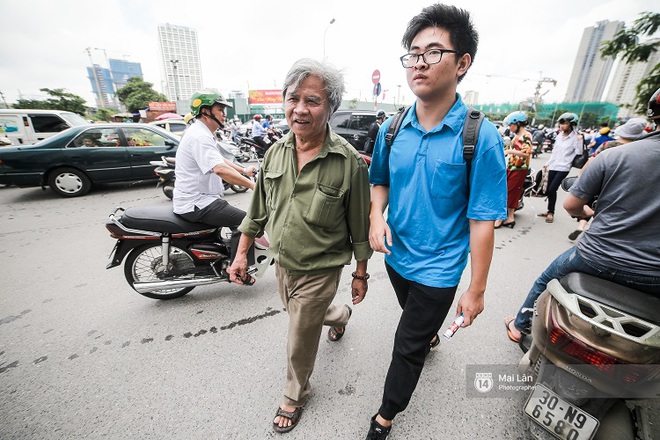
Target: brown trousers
{"x": 307, "y": 299}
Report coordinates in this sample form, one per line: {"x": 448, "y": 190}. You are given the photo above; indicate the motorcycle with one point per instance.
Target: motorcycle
{"x": 165, "y": 172}
{"x": 549, "y": 141}
{"x": 248, "y": 145}
{"x": 166, "y": 256}
{"x": 594, "y": 342}
{"x": 251, "y": 147}
{"x": 595, "y": 345}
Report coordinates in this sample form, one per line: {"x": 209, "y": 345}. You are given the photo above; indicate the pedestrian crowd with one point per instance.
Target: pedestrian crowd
{"x": 439, "y": 184}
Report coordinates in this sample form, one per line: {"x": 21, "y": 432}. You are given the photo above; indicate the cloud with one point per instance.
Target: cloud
{"x": 253, "y": 44}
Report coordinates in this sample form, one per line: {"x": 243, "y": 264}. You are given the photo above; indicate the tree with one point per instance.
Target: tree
{"x": 590, "y": 119}
{"x": 136, "y": 94}
{"x": 626, "y": 42}
{"x": 104, "y": 114}
{"x": 59, "y": 100}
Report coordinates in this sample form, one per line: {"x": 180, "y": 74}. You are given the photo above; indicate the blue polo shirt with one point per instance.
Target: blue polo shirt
{"x": 429, "y": 200}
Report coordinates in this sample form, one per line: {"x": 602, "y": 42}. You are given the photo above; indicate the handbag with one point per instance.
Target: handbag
{"x": 581, "y": 159}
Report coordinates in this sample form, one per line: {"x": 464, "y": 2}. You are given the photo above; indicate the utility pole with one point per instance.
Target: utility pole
{"x": 99, "y": 97}
{"x": 326, "y": 31}
{"x": 176, "y": 79}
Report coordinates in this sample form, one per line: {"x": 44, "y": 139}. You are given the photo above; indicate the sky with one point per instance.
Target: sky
{"x": 251, "y": 45}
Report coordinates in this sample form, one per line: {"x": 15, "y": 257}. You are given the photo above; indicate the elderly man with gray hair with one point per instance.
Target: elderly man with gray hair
{"x": 312, "y": 199}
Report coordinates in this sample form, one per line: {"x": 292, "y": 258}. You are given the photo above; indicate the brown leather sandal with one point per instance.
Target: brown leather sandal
{"x": 293, "y": 416}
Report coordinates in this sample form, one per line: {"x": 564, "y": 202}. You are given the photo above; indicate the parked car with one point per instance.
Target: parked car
{"x": 72, "y": 161}
{"x": 175, "y": 126}
{"x": 27, "y": 127}
{"x": 353, "y": 125}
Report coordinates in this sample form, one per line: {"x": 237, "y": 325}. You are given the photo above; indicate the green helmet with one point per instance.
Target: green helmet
{"x": 206, "y": 98}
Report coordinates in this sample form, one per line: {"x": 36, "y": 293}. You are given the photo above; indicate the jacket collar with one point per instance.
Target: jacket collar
{"x": 333, "y": 143}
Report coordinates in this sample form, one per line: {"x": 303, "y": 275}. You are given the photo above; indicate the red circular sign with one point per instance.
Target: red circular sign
{"x": 375, "y": 77}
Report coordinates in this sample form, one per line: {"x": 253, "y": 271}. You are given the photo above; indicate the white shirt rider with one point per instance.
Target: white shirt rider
{"x": 564, "y": 151}
{"x": 196, "y": 183}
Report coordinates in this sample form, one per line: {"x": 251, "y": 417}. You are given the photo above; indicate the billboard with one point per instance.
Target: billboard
{"x": 162, "y": 106}
{"x": 265, "y": 97}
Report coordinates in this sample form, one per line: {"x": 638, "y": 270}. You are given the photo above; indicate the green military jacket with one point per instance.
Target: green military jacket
{"x": 318, "y": 219}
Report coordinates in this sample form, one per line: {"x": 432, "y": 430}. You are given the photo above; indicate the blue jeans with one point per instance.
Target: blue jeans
{"x": 571, "y": 261}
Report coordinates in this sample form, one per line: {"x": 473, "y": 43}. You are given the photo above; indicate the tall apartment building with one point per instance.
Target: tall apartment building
{"x": 180, "y": 64}
{"x": 102, "y": 87}
{"x": 105, "y": 82}
{"x": 624, "y": 83}
{"x": 590, "y": 71}
{"x": 122, "y": 70}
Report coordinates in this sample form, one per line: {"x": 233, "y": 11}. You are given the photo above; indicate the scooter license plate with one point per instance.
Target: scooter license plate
{"x": 558, "y": 417}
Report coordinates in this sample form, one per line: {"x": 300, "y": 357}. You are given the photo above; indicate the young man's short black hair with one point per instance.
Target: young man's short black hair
{"x": 462, "y": 33}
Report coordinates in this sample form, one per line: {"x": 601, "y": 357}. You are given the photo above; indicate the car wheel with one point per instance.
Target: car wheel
{"x": 69, "y": 182}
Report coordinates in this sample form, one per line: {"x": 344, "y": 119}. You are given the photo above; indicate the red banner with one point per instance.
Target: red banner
{"x": 265, "y": 96}
{"x": 162, "y": 106}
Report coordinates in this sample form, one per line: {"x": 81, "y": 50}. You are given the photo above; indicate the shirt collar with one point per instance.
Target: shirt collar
{"x": 331, "y": 144}
{"x": 453, "y": 119}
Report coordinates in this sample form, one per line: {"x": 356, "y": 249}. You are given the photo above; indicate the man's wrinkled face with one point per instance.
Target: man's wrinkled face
{"x": 307, "y": 108}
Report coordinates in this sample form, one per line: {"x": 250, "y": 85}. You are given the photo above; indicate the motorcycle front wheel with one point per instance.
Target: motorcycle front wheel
{"x": 145, "y": 263}
{"x": 238, "y": 188}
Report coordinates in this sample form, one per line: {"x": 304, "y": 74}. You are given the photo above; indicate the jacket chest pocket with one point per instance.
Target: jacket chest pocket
{"x": 326, "y": 208}
{"x": 273, "y": 181}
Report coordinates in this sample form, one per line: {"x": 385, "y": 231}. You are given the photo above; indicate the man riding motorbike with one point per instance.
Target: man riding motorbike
{"x": 200, "y": 168}
{"x": 623, "y": 242}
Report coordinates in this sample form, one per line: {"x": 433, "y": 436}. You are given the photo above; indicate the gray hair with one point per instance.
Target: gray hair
{"x": 331, "y": 76}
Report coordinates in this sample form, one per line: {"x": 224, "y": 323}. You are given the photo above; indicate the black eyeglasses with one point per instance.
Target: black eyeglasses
{"x": 431, "y": 56}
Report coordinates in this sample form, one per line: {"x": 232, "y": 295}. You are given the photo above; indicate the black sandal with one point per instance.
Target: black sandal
{"x": 293, "y": 416}
{"x": 336, "y": 333}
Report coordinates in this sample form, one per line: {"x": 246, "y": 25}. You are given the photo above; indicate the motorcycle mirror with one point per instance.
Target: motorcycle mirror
{"x": 568, "y": 182}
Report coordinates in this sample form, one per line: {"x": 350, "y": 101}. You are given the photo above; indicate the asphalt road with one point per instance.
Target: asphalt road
{"x": 82, "y": 355}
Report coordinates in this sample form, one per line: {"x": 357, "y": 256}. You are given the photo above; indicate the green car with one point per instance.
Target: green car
{"x": 72, "y": 161}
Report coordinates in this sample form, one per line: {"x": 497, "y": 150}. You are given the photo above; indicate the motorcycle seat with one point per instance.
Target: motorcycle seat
{"x": 642, "y": 305}
{"x": 159, "y": 219}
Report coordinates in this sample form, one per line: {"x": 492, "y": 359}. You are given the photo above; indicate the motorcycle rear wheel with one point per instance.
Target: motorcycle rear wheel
{"x": 168, "y": 190}
{"x": 145, "y": 264}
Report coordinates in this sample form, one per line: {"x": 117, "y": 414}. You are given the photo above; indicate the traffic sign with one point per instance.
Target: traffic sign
{"x": 375, "y": 77}
{"x": 377, "y": 89}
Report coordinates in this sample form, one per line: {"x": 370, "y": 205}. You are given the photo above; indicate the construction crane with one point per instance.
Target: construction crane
{"x": 539, "y": 84}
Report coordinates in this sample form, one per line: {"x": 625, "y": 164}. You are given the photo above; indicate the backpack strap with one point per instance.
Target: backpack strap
{"x": 473, "y": 120}
{"x": 471, "y": 127}
{"x": 395, "y": 125}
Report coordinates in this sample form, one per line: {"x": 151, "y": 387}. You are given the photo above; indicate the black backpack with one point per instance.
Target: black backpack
{"x": 473, "y": 120}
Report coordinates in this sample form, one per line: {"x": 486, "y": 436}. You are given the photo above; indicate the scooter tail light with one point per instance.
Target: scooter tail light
{"x": 586, "y": 354}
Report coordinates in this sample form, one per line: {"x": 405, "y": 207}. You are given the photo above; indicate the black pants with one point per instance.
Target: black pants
{"x": 220, "y": 213}
{"x": 424, "y": 310}
{"x": 554, "y": 180}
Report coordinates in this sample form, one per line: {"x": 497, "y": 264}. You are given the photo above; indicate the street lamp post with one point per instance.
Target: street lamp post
{"x": 176, "y": 79}
{"x": 326, "y": 31}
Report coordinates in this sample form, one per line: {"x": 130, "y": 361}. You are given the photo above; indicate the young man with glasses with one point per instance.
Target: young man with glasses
{"x": 437, "y": 212}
